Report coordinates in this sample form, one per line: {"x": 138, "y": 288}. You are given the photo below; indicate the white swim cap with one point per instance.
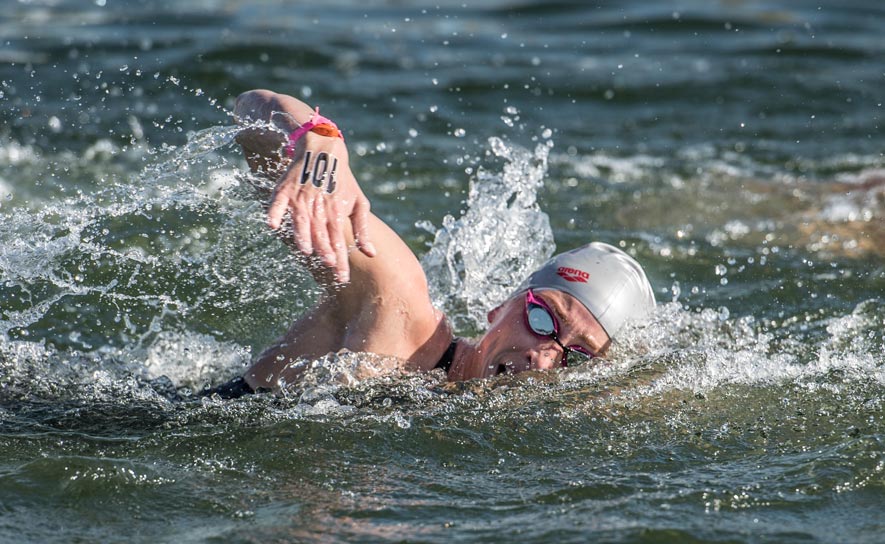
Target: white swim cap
{"x": 607, "y": 281}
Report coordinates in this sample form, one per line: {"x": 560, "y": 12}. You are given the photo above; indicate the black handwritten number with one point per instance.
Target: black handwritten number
{"x": 317, "y": 173}
{"x": 331, "y": 187}
{"x": 319, "y": 176}
{"x": 304, "y": 172}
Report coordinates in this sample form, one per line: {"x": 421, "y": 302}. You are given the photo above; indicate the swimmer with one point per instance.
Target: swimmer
{"x": 376, "y": 296}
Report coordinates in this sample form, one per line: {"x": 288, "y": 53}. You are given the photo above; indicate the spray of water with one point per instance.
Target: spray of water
{"x": 144, "y": 310}
{"x": 150, "y": 273}
{"x": 476, "y": 260}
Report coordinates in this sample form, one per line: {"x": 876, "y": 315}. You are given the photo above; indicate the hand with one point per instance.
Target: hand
{"x": 320, "y": 192}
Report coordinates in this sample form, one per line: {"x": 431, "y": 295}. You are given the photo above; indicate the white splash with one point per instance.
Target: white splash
{"x": 475, "y": 261}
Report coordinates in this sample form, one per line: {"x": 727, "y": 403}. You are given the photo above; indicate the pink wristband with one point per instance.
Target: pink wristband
{"x": 317, "y": 123}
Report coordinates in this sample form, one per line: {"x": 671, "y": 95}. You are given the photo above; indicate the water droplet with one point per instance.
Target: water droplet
{"x": 55, "y": 124}
{"x": 459, "y": 133}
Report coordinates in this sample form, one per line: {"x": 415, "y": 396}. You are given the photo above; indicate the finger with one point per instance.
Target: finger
{"x": 339, "y": 246}
{"x": 360, "y": 221}
{"x": 320, "y": 233}
{"x": 279, "y": 204}
{"x": 301, "y": 228}
{"x": 283, "y": 193}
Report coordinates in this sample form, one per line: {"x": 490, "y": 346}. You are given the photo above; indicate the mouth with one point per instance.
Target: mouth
{"x": 503, "y": 369}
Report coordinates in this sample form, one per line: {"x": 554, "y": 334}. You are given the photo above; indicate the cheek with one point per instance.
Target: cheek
{"x": 508, "y": 334}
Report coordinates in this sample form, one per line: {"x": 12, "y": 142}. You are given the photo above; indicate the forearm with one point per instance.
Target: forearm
{"x": 287, "y": 113}
{"x": 262, "y": 105}
{"x": 267, "y": 119}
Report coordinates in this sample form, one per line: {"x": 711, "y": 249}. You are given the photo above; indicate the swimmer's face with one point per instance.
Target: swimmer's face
{"x": 510, "y": 345}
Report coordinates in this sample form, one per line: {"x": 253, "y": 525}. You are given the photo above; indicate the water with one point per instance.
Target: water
{"x": 735, "y": 148}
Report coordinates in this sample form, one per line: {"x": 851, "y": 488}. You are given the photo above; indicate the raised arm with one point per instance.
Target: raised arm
{"x": 372, "y": 303}
{"x": 316, "y": 187}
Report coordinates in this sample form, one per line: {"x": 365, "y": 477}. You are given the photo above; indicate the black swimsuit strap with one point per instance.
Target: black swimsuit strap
{"x": 445, "y": 362}
{"x": 233, "y": 389}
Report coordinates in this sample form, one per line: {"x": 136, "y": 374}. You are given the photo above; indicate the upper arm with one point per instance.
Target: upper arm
{"x": 386, "y": 307}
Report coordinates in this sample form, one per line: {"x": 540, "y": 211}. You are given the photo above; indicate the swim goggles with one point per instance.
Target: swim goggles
{"x": 541, "y": 321}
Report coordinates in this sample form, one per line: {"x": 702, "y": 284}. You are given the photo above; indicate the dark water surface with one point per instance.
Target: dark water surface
{"x": 734, "y": 147}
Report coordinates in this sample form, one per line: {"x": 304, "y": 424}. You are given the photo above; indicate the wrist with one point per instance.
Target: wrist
{"x": 317, "y": 124}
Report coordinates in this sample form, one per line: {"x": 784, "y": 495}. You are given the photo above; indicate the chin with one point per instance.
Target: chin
{"x": 503, "y": 365}
{"x": 502, "y": 369}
